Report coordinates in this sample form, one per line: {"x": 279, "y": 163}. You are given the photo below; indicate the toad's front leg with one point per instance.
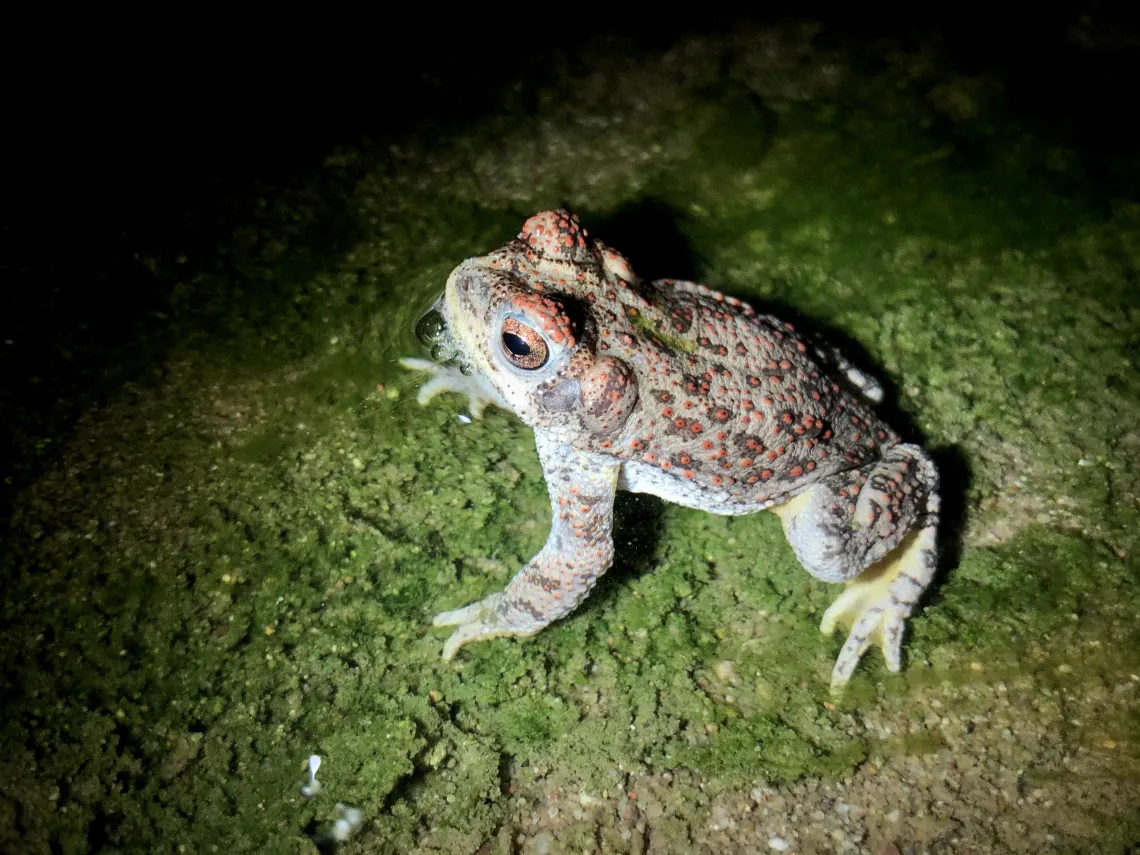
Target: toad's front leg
{"x": 577, "y": 552}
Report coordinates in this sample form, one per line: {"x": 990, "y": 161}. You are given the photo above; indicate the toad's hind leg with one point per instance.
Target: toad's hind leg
{"x": 874, "y": 528}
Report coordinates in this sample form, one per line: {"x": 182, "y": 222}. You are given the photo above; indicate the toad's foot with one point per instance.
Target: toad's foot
{"x": 873, "y": 527}
{"x": 877, "y": 604}
{"x": 491, "y": 617}
{"x": 448, "y": 378}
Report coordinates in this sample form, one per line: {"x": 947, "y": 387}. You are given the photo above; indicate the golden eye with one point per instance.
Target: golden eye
{"x": 523, "y": 346}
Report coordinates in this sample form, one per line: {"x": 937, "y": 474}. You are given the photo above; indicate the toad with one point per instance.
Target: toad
{"x": 674, "y": 389}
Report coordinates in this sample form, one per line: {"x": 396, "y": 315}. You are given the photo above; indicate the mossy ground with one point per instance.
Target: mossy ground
{"x": 234, "y": 562}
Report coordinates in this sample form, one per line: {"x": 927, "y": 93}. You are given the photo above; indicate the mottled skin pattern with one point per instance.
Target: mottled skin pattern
{"x": 673, "y": 389}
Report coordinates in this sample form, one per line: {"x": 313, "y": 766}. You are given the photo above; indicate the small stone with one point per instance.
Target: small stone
{"x": 778, "y": 844}
{"x": 725, "y": 671}
{"x": 761, "y": 793}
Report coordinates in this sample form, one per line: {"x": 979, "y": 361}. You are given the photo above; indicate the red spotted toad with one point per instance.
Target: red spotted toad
{"x": 673, "y": 389}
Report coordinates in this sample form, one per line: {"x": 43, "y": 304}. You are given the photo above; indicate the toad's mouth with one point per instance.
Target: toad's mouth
{"x": 433, "y": 331}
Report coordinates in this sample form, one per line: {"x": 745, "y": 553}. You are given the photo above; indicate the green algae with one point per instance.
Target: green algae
{"x": 237, "y": 565}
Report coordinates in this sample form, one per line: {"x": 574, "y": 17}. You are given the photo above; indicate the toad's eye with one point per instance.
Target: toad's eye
{"x": 523, "y": 346}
